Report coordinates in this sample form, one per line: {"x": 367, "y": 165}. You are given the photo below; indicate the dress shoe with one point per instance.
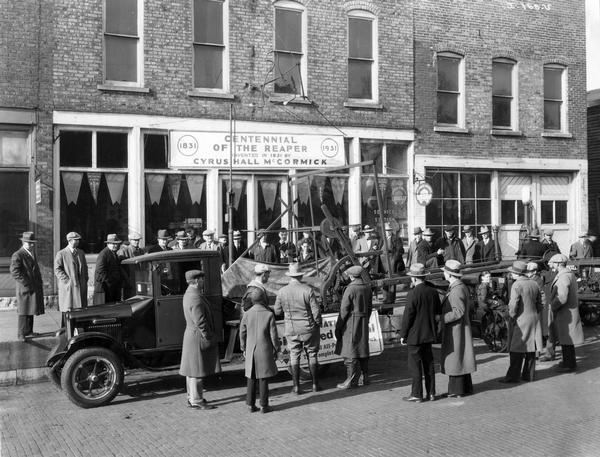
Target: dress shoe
{"x": 455, "y": 395}
{"x": 430, "y": 398}
{"x": 266, "y": 409}
{"x": 203, "y": 402}
{"x": 412, "y": 399}
{"x": 253, "y": 408}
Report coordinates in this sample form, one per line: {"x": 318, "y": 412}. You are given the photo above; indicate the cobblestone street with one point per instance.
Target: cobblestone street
{"x": 558, "y": 415}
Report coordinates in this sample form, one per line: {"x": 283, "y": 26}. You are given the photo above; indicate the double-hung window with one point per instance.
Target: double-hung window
{"x": 504, "y": 105}
{"x": 289, "y": 67}
{"x": 362, "y": 56}
{"x": 555, "y": 106}
{"x": 210, "y": 45}
{"x": 450, "y": 90}
{"x": 123, "y": 55}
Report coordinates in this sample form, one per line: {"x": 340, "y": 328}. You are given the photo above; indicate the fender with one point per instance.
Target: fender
{"x": 65, "y": 348}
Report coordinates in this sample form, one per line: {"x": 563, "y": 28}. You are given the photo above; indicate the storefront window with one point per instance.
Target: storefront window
{"x": 239, "y": 204}
{"x": 331, "y": 191}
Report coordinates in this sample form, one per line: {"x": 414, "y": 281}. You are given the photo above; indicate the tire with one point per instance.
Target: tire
{"x": 92, "y": 377}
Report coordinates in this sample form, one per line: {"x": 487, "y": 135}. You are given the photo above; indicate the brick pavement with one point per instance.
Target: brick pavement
{"x": 557, "y": 415}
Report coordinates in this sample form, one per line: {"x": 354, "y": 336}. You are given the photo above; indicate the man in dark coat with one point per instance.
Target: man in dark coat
{"x": 419, "y": 332}
{"x": 29, "y": 286}
{"x": 396, "y": 262}
{"x": 133, "y": 249}
{"x": 426, "y": 254}
{"x": 256, "y": 291}
{"x": 485, "y": 250}
{"x": 449, "y": 247}
{"x": 549, "y": 243}
{"x": 411, "y": 257}
{"x": 582, "y": 248}
{"x": 352, "y": 328}
{"x": 200, "y": 351}
{"x": 109, "y": 276}
{"x": 532, "y": 248}
{"x": 238, "y": 245}
{"x": 163, "y": 239}
{"x": 264, "y": 251}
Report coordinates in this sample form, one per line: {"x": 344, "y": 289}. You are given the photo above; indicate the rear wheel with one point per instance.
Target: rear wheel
{"x": 92, "y": 377}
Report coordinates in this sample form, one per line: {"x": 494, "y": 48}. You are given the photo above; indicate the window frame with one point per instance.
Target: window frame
{"x": 461, "y": 109}
{"x": 514, "y": 97}
{"x": 225, "y": 67}
{"x": 139, "y": 49}
{"x": 365, "y": 15}
{"x": 297, "y": 7}
{"x": 564, "y": 121}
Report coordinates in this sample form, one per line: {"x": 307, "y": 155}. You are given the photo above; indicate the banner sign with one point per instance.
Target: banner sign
{"x": 326, "y": 354}
{"x": 255, "y": 150}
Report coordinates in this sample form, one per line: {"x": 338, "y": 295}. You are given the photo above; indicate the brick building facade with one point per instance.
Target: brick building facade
{"x": 123, "y": 102}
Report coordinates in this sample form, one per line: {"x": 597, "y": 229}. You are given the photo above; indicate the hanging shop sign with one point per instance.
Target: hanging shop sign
{"x": 254, "y": 150}
{"x": 424, "y": 193}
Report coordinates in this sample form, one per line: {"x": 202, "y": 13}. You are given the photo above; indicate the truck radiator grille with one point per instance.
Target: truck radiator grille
{"x": 113, "y": 330}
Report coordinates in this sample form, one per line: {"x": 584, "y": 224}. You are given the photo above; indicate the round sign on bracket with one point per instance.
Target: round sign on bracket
{"x": 424, "y": 193}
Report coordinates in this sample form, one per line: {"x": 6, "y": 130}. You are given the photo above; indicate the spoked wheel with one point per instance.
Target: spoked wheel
{"x": 590, "y": 314}
{"x": 92, "y": 377}
{"x": 495, "y": 333}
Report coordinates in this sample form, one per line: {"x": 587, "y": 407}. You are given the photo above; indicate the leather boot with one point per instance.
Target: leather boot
{"x": 296, "y": 379}
{"x": 364, "y": 367}
{"x": 351, "y": 376}
{"x": 314, "y": 369}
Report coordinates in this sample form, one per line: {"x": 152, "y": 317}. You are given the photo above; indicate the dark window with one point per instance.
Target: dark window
{"x": 502, "y": 94}
{"x": 554, "y": 211}
{"x": 448, "y": 89}
{"x": 360, "y": 58}
{"x": 75, "y": 149}
{"x": 121, "y": 40}
{"x": 288, "y": 51}
{"x": 111, "y": 150}
{"x": 208, "y": 44}
{"x": 512, "y": 212}
{"x": 155, "y": 151}
{"x": 14, "y": 210}
{"x": 553, "y": 98}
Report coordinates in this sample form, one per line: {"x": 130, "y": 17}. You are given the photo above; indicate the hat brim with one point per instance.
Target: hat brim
{"x": 418, "y": 275}
{"x": 112, "y": 241}
{"x": 452, "y": 273}
{"x": 517, "y": 272}
{"x": 28, "y": 241}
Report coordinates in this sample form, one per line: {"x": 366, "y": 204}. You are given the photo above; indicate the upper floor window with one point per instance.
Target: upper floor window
{"x": 210, "y": 44}
{"x": 504, "y": 106}
{"x": 450, "y": 89}
{"x": 290, "y": 67}
{"x": 555, "y": 107}
{"x": 122, "y": 42}
{"x": 362, "y": 55}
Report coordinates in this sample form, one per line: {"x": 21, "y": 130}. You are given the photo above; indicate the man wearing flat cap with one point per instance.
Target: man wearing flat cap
{"x": 449, "y": 247}
{"x": 108, "y": 278}
{"x": 256, "y": 291}
{"x": 210, "y": 244}
{"x": 29, "y": 289}
{"x": 418, "y": 331}
{"x": 71, "y": 271}
{"x": 549, "y": 243}
{"x": 352, "y": 328}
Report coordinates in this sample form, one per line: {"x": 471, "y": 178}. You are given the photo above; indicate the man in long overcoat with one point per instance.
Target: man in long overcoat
{"x": 532, "y": 248}
{"x": 260, "y": 343}
{"x": 396, "y": 262}
{"x": 133, "y": 249}
{"x": 411, "y": 256}
{"x": 582, "y": 248}
{"x": 524, "y": 309}
{"x": 449, "y": 247}
{"x": 109, "y": 276}
{"x": 29, "y": 288}
{"x": 565, "y": 307}
{"x": 458, "y": 356}
{"x": 418, "y": 331}
{"x": 71, "y": 271}
{"x": 485, "y": 250}
{"x": 199, "y": 352}
{"x": 470, "y": 241}
{"x": 352, "y": 328}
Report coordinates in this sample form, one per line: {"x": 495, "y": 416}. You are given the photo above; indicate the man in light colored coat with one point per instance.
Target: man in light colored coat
{"x": 411, "y": 257}
{"x": 302, "y": 315}
{"x": 565, "y": 307}
{"x": 524, "y": 309}
{"x": 71, "y": 271}
{"x": 582, "y": 248}
{"x": 469, "y": 242}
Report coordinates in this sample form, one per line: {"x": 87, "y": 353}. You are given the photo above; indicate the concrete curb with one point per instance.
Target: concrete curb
{"x": 22, "y": 376}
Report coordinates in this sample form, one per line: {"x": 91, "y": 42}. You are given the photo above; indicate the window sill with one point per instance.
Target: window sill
{"x": 115, "y": 88}
{"x": 449, "y": 129}
{"x": 499, "y": 132}
{"x": 209, "y": 94}
{"x": 556, "y": 135}
{"x": 355, "y": 104}
{"x": 289, "y": 99}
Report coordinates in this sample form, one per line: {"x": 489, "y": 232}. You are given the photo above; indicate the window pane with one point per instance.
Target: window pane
{"x": 435, "y": 179}
{"x": 483, "y": 185}
{"x": 208, "y": 21}
{"x": 520, "y": 212}
{"x": 239, "y": 211}
{"x": 560, "y": 212}
{"x": 502, "y": 78}
{"x": 484, "y": 212}
{"x": 448, "y": 73}
{"x": 449, "y": 185}
{"x": 433, "y": 213}
{"x": 13, "y": 148}
{"x": 121, "y": 17}
{"x": 360, "y": 38}
{"x": 121, "y": 58}
{"x": 553, "y": 83}
{"x": 467, "y": 212}
{"x": 75, "y": 149}
{"x": 507, "y": 212}
{"x": 467, "y": 185}
{"x": 501, "y": 111}
{"x": 359, "y": 79}
{"x": 287, "y": 70}
{"x": 14, "y": 210}
{"x": 111, "y": 150}
{"x": 155, "y": 151}
{"x": 447, "y": 108}
{"x": 208, "y": 67}
{"x": 396, "y": 158}
{"x": 552, "y": 115}
{"x": 371, "y": 151}
{"x": 547, "y": 212}
{"x": 450, "y": 212}
{"x": 288, "y": 30}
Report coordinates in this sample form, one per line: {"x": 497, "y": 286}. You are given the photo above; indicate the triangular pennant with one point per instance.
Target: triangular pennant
{"x": 94, "y": 182}
{"x": 367, "y": 188}
{"x": 155, "y": 185}
{"x": 303, "y": 190}
{"x": 72, "y": 185}
{"x": 337, "y": 186}
{"x": 195, "y": 186}
{"x": 269, "y": 190}
{"x": 115, "y": 183}
{"x": 175, "y": 185}
{"x": 238, "y": 187}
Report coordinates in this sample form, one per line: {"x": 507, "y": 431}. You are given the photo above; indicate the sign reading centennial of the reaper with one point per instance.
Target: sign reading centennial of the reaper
{"x": 254, "y": 150}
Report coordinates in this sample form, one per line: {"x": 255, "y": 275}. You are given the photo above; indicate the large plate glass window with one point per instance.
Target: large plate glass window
{"x": 362, "y": 55}
{"x": 289, "y": 70}
{"x": 122, "y": 41}
{"x": 210, "y": 46}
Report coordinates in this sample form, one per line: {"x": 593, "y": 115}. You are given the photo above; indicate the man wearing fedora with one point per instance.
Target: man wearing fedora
{"x": 108, "y": 278}
{"x": 128, "y": 251}
{"x": 486, "y": 248}
{"x": 449, "y": 247}
{"x": 29, "y": 288}
{"x": 182, "y": 241}
{"x": 526, "y": 333}
{"x": 582, "y": 248}
{"x": 352, "y": 328}
{"x": 549, "y": 243}
{"x": 411, "y": 256}
{"x": 71, "y": 271}
{"x": 426, "y": 253}
{"x": 395, "y": 250}
{"x": 302, "y": 316}
{"x": 162, "y": 238}
{"x": 239, "y": 247}
{"x": 418, "y": 331}
{"x": 532, "y": 248}
{"x": 458, "y": 355}
{"x": 469, "y": 241}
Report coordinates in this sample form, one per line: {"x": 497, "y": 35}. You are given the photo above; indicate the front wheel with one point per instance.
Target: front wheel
{"x": 92, "y": 377}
